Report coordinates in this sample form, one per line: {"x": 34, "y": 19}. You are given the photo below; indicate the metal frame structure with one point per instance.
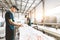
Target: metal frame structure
{"x": 30, "y": 5}
{"x": 22, "y": 10}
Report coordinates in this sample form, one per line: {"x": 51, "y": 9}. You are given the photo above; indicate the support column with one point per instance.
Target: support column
{"x": 34, "y": 11}
{"x": 43, "y": 11}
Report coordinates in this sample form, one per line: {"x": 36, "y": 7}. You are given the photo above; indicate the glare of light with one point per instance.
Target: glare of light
{"x": 53, "y": 11}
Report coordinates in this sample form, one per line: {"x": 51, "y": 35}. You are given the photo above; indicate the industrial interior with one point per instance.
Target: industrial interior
{"x": 44, "y": 19}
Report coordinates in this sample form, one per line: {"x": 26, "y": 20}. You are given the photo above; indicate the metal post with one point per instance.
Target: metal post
{"x": 43, "y": 7}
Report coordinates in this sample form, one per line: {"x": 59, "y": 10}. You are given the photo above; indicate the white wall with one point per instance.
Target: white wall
{"x": 54, "y": 12}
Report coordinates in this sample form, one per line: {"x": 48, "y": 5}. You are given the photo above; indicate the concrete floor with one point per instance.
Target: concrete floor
{"x": 2, "y": 39}
{"x": 16, "y": 38}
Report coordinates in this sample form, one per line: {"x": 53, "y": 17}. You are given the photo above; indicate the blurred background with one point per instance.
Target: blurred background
{"x": 44, "y": 13}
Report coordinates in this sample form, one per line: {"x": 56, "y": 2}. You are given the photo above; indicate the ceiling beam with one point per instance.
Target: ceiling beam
{"x": 4, "y": 1}
{"x": 36, "y": 5}
{"x": 24, "y": 1}
{"x": 10, "y": 2}
{"x": 25, "y": 6}
{"x": 16, "y": 2}
{"x": 30, "y": 6}
{"x": 3, "y": 4}
{"x": 20, "y": 5}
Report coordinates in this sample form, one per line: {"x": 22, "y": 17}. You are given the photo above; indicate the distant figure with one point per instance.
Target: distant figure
{"x": 28, "y": 20}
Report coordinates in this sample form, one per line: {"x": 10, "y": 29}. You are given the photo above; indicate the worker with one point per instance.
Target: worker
{"x": 9, "y": 18}
{"x": 28, "y": 21}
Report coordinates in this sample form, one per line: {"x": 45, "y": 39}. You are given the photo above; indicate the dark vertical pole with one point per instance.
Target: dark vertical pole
{"x": 2, "y": 12}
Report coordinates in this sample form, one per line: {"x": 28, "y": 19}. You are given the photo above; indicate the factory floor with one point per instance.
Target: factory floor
{"x": 2, "y": 39}
{"x": 16, "y": 35}
{"x": 5, "y": 39}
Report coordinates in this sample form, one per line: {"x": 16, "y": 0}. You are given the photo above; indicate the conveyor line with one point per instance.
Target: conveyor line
{"x": 30, "y": 33}
{"x": 46, "y": 29}
{"x": 56, "y": 24}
